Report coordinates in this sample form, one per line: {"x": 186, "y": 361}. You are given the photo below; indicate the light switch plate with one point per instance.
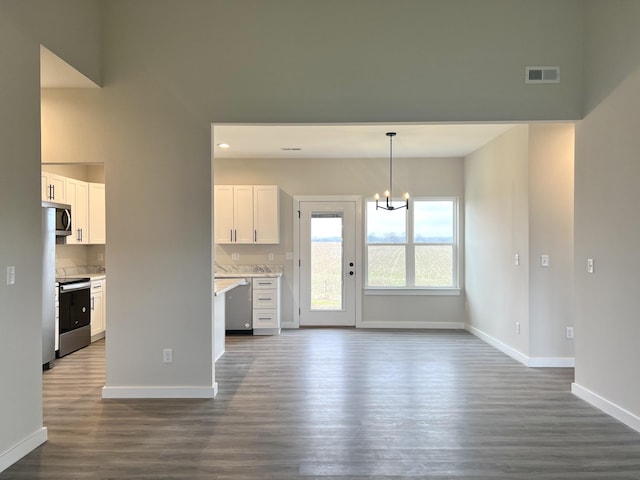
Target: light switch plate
{"x": 11, "y": 275}
{"x": 544, "y": 260}
{"x": 235, "y": 256}
{"x": 589, "y": 265}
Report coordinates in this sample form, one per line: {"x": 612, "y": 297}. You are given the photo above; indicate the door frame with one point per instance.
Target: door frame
{"x": 296, "y": 250}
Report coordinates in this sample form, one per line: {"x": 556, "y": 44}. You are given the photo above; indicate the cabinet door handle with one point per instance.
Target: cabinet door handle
{"x": 93, "y": 303}
{"x": 231, "y": 235}
{"x": 255, "y": 235}
{"x": 235, "y": 234}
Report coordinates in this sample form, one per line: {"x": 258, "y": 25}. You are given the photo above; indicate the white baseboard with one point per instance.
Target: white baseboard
{"x": 160, "y": 392}
{"x": 413, "y": 325}
{"x": 610, "y": 408}
{"x": 15, "y": 453}
{"x": 533, "y": 362}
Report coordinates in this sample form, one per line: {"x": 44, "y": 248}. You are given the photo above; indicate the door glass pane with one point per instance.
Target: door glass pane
{"x": 434, "y": 265}
{"x": 326, "y": 261}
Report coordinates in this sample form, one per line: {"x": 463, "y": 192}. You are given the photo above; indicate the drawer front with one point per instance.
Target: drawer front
{"x": 265, "y": 283}
{"x": 265, "y": 299}
{"x": 96, "y": 286}
{"x": 265, "y": 319}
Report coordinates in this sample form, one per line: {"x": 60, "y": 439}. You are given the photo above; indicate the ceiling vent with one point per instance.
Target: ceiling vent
{"x": 542, "y": 75}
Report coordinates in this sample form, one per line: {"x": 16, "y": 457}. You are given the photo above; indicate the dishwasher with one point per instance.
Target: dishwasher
{"x": 237, "y": 312}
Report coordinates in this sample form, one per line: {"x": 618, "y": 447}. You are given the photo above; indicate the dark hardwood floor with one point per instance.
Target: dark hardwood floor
{"x": 335, "y": 403}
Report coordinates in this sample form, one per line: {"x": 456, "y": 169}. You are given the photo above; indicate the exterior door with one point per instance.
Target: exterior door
{"x": 327, "y": 263}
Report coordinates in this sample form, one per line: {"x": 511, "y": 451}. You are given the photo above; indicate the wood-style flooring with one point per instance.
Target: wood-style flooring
{"x": 335, "y": 404}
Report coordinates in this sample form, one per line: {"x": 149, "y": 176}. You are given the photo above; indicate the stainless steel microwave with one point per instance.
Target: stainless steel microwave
{"x": 63, "y": 220}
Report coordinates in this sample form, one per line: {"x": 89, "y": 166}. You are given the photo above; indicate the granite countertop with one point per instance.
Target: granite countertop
{"x": 92, "y": 276}
{"x": 94, "y": 272}
{"x": 248, "y": 271}
{"x": 223, "y": 285}
{"x": 248, "y": 275}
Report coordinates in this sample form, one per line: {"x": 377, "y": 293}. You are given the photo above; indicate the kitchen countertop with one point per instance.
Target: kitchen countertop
{"x": 92, "y": 276}
{"x": 222, "y": 285}
{"x": 248, "y": 274}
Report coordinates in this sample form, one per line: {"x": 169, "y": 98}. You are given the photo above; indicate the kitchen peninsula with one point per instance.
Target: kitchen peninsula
{"x": 220, "y": 288}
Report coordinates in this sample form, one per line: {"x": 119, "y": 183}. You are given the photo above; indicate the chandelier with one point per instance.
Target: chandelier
{"x": 388, "y": 194}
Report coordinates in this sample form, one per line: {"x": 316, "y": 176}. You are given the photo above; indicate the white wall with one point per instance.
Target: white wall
{"x": 421, "y": 177}
{"x": 519, "y": 200}
{"x": 497, "y": 228}
{"x": 606, "y": 224}
{"x": 551, "y": 163}
{"x": 23, "y": 26}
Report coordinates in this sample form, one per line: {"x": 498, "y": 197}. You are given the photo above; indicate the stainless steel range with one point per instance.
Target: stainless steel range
{"x": 75, "y": 314}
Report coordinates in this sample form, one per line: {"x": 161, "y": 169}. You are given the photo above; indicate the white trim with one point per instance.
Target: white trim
{"x": 551, "y": 362}
{"x": 22, "y": 448}
{"x": 296, "y": 250}
{"x": 503, "y": 347}
{"x": 160, "y": 392}
{"x": 532, "y": 362}
{"x": 616, "y": 411}
{"x": 412, "y": 291}
{"x": 414, "y": 325}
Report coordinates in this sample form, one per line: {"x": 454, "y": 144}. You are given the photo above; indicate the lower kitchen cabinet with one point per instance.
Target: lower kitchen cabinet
{"x": 98, "y": 318}
{"x": 266, "y": 306}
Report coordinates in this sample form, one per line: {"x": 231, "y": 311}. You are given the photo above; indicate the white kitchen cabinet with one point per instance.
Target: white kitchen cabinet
{"x": 246, "y": 214}
{"x": 77, "y": 193}
{"x": 53, "y": 187}
{"x": 266, "y": 305}
{"x": 266, "y": 214}
{"x": 97, "y": 211}
{"x": 98, "y": 324}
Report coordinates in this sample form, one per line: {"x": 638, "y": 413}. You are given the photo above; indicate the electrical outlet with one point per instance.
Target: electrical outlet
{"x": 518, "y": 328}
{"x": 569, "y": 333}
{"x": 270, "y": 256}
{"x": 589, "y": 265}
{"x": 235, "y": 256}
{"x": 516, "y": 260}
{"x": 167, "y": 355}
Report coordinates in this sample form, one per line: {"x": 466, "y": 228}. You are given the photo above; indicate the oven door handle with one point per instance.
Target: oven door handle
{"x": 74, "y": 286}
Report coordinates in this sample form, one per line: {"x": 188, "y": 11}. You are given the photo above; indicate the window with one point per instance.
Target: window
{"x": 415, "y": 248}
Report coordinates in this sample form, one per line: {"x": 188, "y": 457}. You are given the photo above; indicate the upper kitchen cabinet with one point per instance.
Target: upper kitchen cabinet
{"x": 246, "y": 214}
{"x": 78, "y": 197}
{"x": 53, "y": 187}
{"x": 97, "y": 217}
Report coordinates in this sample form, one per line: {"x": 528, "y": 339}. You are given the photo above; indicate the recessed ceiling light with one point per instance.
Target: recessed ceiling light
{"x": 224, "y": 145}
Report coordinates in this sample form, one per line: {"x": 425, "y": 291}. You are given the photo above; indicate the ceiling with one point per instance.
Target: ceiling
{"x": 314, "y": 141}
{"x": 352, "y": 140}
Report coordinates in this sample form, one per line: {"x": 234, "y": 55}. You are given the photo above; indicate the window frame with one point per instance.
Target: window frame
{"x": 410, "y": 266}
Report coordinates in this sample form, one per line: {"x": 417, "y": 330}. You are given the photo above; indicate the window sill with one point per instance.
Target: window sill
{"x": 412, "y": 291}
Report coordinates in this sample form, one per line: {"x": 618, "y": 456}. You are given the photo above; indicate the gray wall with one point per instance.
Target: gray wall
{"x": 519, "y": 200}
{"x": 497, "y": 228}
{"x": 606, "y": 223}
{"x": 68, "y": 28}
{"x": 169, "y": 72}
{"x": 421, "y": 177}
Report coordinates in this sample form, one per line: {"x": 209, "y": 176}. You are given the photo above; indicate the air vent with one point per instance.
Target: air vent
{"x": 291, "y": 149}
{"x": 542, "y": 75}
